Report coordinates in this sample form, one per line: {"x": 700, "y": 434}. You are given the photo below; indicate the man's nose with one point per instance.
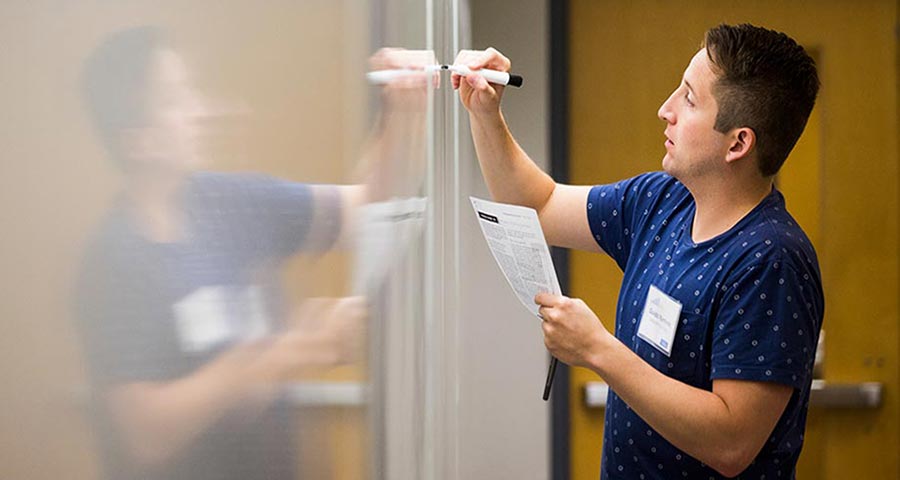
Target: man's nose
{"x": 665, "y": 113}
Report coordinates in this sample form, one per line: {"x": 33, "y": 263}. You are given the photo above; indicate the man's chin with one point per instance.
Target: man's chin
{"x": 667, "y": 165}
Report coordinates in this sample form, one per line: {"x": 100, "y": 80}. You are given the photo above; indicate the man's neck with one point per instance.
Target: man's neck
{"x": 155, "y": 203}
{"x": 720, "y": 206}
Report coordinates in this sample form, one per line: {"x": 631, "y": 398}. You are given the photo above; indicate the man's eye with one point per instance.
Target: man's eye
{"x": 687, "y": 98}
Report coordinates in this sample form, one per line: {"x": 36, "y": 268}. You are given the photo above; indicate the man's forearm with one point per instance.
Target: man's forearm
{"x": 697, "y": 421}
{"x": 156, "y": 420}
{"x": 511, "y": 176}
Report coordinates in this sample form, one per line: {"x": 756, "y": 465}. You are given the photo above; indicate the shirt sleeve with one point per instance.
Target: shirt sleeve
{"x": 283, "y": 213}
{"x": 275, "y": 215}
{"x": 767, "y": 327}
{"x": 613, "y": 211}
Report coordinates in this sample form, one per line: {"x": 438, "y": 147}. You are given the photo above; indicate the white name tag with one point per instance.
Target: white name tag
{"x": 214, "y": 315}
{"x": 659, "y": 320}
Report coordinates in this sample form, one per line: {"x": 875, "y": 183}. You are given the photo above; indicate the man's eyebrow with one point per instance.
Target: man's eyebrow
{"x": 688, "y": 84}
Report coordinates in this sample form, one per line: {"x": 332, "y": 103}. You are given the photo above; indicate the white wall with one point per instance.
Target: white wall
{"x": 504, "y": 429}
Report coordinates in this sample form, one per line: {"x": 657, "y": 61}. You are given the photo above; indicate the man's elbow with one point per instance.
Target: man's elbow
{"x": 733, "y": 460}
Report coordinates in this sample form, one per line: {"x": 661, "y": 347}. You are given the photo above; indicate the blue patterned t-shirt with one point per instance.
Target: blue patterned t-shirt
{"x": 752, "y": 306}
{"x": 143, "y": 305}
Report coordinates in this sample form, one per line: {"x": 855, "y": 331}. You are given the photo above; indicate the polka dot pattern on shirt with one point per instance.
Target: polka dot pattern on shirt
{"x": 751, "y": 310}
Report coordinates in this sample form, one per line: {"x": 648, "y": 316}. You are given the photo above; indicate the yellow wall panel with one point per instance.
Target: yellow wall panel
{"x": 841, "y": 182}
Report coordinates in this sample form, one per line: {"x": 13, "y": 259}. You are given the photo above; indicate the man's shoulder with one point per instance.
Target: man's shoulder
{"x": 655, "y": 180}
{"x": 227, "y": 188}
{"x": 210, "y": 182}
{"x": 772, "y": 241}
{"x": 653, "y": 187}
{"x": 780, "y": 236}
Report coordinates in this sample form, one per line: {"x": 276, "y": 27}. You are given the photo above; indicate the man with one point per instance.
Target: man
{"x": 187, "y": 335}
{"x": 721, "y": 302}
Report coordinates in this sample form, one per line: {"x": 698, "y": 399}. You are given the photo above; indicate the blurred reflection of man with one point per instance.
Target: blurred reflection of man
{"x": 178, "y": 299}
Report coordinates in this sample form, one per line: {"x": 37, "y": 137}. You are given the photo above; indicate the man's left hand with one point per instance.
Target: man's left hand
{"x": 572, "y": 332}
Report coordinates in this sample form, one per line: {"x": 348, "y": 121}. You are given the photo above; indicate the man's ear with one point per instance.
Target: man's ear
{"x": 743, "y": 141}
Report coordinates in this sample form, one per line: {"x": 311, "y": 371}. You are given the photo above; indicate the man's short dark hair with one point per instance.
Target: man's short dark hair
{"x": 766, "y": 82}
{"x": 115, "y": 80}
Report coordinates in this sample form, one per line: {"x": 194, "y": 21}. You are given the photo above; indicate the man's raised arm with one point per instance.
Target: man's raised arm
{"x": 511, "y": 176}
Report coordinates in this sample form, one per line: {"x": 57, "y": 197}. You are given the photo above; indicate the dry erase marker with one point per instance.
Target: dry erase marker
{"x": 493, "y": 76}
{"x": 551, "y": 372}
{"x": 381, "y": 77}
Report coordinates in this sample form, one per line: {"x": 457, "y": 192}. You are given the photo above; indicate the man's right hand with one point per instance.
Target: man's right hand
{"x": 477, "y": 95}
{"x": 328, "y": 332}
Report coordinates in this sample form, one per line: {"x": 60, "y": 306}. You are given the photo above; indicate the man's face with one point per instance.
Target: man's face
{"x": 170, "y": 140}
{"x": 693, "y": 148}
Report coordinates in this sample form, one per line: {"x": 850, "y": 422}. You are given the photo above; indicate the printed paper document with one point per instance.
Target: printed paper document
{"x": 515, "y": 238}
